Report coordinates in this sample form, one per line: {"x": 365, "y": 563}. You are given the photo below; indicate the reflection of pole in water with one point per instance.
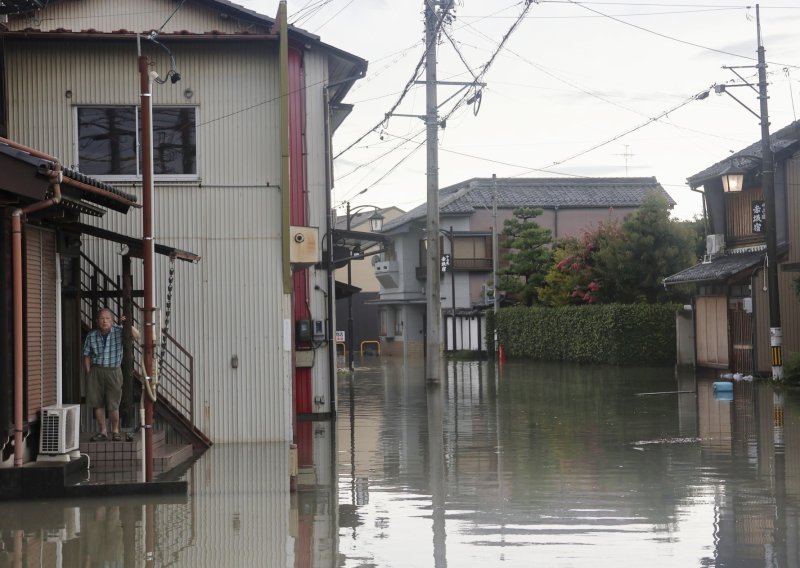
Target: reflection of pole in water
{"x": 436, "y": 471}
{"x": 353, "y": 445}
{"x": 499, "y": 451}
{"x": 780, "y": 541}
{"x": 150, "y": 534}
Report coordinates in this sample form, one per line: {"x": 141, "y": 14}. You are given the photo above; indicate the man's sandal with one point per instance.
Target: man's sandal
{"x": 116, "y": 437}
{"x": 99, "y": 438}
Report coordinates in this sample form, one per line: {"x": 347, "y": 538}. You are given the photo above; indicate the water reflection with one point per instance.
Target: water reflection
{"x": 570, "y": 465}
{"x": 535, "y": 464}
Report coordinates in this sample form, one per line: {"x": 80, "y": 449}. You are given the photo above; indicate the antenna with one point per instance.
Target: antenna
{"x": 628, "y": 154}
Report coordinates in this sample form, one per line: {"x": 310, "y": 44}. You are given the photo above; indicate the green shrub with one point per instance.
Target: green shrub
{"x": 617, "y": 334}
{"x": 791, "y": 369}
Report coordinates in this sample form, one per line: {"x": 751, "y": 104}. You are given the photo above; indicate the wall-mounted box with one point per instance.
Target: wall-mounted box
{"x": 304, "y": 249}
{"x": 304, "y": 358}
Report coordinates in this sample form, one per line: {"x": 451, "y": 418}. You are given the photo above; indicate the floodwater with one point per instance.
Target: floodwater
{"x": 535, "y": 464}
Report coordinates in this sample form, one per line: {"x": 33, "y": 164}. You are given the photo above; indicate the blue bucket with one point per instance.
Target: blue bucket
{"x": 723, "y": 386}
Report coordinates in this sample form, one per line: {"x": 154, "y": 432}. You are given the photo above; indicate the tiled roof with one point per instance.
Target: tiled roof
{"x": 463, "y": 198}
{"x": 718, "y": 269}
{"x": 45, "y": 165}
{"x": 784, "y": 138}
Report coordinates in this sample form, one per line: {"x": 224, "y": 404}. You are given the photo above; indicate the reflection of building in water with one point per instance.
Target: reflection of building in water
{"x": 314, "y": 504}
{"x": 757, "y": 484}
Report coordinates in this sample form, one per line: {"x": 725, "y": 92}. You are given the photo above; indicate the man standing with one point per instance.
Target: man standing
{"x": 102, "y": 357}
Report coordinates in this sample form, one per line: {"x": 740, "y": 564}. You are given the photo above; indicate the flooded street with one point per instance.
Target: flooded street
{"x": 536, "y": 465}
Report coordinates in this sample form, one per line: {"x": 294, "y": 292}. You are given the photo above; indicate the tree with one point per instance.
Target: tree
{"x": 626, "y": 262}
{"x": 651, "y": 247}
{"x": 529, "y": 257}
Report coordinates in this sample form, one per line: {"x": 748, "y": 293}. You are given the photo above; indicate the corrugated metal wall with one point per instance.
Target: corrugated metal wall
{"x": 232, "y": 302}
{"x": 139, "y": 16}
{"x": 255, "y": 531}
{"x": 316, "y": 73}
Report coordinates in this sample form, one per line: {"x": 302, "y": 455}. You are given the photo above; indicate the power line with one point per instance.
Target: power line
{"x": 403, "y": 93}
{"x": 671, "y": 38}
{"x": 342, "y": 9}
{"x": 625, "y": 133}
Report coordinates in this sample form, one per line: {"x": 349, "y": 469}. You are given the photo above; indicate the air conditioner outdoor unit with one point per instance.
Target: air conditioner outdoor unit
{"x": 715, "y": 244}
{"x": 60, "y": 432}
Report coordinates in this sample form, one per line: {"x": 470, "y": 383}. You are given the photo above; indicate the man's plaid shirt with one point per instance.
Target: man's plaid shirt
{"x": 105, "y": 351}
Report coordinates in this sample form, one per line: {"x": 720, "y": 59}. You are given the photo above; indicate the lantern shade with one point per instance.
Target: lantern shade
{"x": 732, "y": 183}
{"x": 376, "y": 221}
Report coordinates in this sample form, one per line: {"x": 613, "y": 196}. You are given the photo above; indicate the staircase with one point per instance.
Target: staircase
{"x": 175, "y": 397}
{"x": 121, "y": 461}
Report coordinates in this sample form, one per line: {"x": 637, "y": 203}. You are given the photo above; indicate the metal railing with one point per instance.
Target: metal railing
{"x": 176, "y": 369}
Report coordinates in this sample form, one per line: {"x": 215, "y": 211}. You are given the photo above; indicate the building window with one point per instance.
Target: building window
{"x": 109, "y": 140}
{"x": 398, "y": 322}
{"x": 473, "y": 252}
{"x": 384, "y": 322}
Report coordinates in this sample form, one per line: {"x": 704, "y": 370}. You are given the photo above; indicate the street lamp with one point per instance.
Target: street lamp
{"x": 768, "y": 185}
{"x": 375, "y": 224}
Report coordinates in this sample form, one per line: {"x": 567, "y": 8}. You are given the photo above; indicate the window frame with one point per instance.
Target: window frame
{"x": 137, "y": 114}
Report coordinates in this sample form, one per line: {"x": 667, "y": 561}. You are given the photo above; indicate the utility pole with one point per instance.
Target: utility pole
{"x": 768, "y": 186}
{"x": 433, "y": 347}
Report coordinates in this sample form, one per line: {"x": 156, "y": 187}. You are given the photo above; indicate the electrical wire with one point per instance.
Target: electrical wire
{"x": 464, "y": 99}
{"x": 671, "y": 38}
{"x": 308, "y": 11}
{"x": 414, "y": 76}
{"x": 175, "y": 11}
{"x": 460, "y": 55}
{"x": 397, "y": 147}
{"x": 622, "y": 134}
{"x": 326, "y": 22}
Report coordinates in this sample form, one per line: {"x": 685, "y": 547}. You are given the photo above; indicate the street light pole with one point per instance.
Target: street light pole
{"x": 375, "y": 224}
{"x": 350, "y": 357}
{"x": 453, "y": 281}
{"x": 768, "y": 185}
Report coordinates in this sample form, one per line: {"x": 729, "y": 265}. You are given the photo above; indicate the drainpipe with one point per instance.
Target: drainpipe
{"x": 148, "y": 253}
{"x": 331, "y": 297}
{"x": 283, "y": 57}
{"x": 16, "y": 256}
{"x": 705, "y": 216}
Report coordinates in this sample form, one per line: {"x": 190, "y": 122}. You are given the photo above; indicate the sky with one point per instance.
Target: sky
{"x": 578, "y": 89}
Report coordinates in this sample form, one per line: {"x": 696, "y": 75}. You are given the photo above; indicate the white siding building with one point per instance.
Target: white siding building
{"x": 222, "y": 180}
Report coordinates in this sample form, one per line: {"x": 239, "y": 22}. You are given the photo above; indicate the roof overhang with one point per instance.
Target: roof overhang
{"x": 135, "y": 245}
{"x": 721, "y": 269}
{"x": 30, "y": 176}
{"x": 359, "y": 240}
{"x": 344, "y": 290}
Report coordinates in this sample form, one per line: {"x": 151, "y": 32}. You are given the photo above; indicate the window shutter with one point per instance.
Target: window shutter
{"x": 41, "y": 318}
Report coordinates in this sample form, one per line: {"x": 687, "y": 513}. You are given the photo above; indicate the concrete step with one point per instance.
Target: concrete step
{"x": 169, "y": 456}
{"x": 110, "y": 455}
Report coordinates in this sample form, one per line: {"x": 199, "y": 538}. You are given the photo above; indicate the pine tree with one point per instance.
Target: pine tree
{"x": 529, "y": 255}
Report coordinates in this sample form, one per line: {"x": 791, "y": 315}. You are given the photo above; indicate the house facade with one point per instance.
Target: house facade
{"x": 731, "y": 302}
{"x": 467, "y": 218}
{"x": 242, "y": 119}
{"x": 359, "y": 287}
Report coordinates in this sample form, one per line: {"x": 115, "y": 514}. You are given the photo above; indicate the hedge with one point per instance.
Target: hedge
{"x": 616, "y": 334}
